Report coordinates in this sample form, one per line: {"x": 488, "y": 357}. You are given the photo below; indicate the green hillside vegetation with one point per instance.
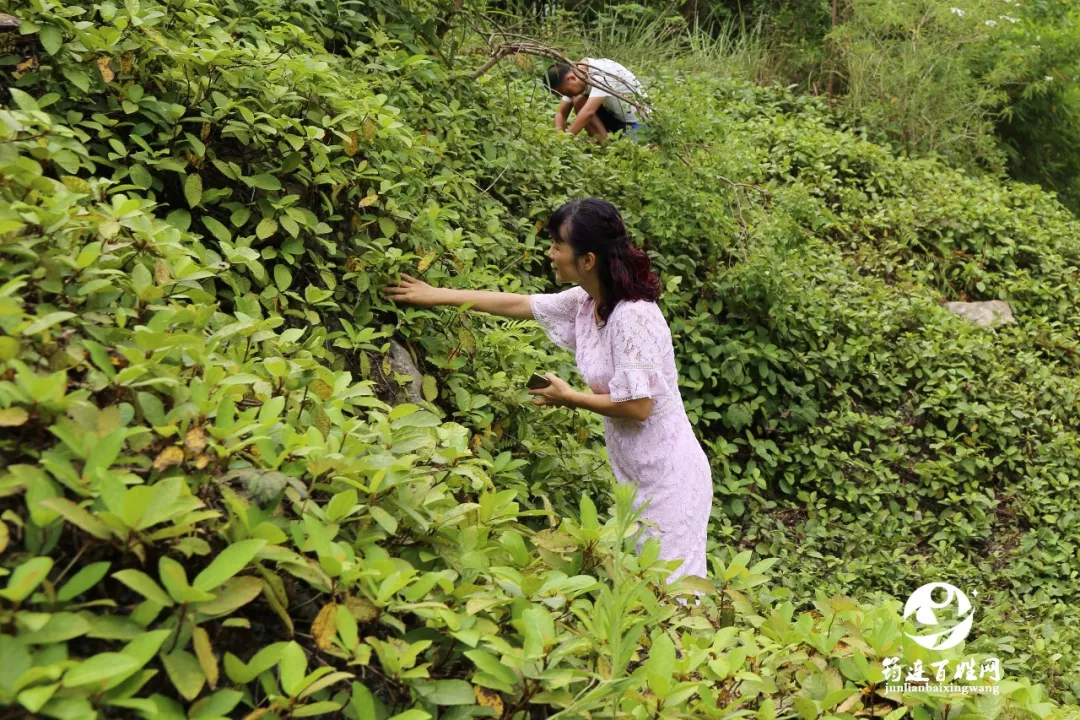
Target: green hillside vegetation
{"x": 215, "y": 504}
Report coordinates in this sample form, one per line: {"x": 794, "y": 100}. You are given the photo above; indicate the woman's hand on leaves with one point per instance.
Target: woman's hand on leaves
{"x": 557, "y": 394}
{"x": 413, "y": 292}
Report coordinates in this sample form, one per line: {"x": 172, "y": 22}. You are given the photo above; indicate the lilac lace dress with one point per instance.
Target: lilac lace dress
{"x": 632, "y": 357}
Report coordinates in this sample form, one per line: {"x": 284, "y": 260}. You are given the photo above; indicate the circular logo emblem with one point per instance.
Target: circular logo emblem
{"x": 949, "y": 633}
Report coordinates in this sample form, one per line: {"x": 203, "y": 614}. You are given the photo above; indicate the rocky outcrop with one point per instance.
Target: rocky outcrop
{"x": 401, "y": 362}
{"x": 985, "y": 314}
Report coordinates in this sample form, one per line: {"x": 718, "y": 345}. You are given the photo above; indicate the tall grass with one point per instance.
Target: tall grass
{"x": 640, "y": 38}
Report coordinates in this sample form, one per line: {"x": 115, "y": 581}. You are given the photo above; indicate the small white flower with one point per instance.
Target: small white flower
{"x": 1009, "y": 19}
{"x": 957, "y": 12}
{"x": 991, "y": 23}
{"x": 1049, "y": 78}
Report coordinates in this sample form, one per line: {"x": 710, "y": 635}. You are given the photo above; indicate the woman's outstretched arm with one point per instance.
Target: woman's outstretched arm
{"x": 418, "y": 292}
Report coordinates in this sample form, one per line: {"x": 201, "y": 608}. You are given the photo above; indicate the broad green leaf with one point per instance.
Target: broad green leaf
{"x": 174, "y": 578}
{"x": 146, "y": 645}
{"x": 217, "y": 229}
{"x": 80, "y": 582}
{"x": 193, "y": 189}
{"x": 588, "y": 513}
{"x": 141, "y": 177}
{"x": 282, "y": 277}
{"x": 78, "y": 517}
{"x": 77, "y": 77}
{"x": 25, "y": 579}
{"x": 386, "y": 521}
{"x": 100, "y": 669}
{"x": 23, "y": 100}
{"x": 231, "y": 561}
{"x": 143, "y": 584}
{"x": 179, "y": 218}
{"x": 33, "y": 699}
{"x": 539, "y": 630}
{"x": 265, "y": 228}
{"x": 660, "y": 664}
{"x": 324, "y": 707}
{"x": 265, "y": 182}
{"x": 51, "y": 39}
{"x": 234, "y": 594}
{"x": 46, "y": 322}
{"x": 220, "y": 704}
{"x": 447, "y": 692}
{"x": 62, "y": 626}
{"x": 293, "y": 668}
{"x": 341, "y": 504}
{"x": 185, "y": 672}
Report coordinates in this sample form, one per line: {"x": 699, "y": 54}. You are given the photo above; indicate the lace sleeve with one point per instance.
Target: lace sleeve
{"x": 557, "y": 314}
{"x": 636, "y": 347}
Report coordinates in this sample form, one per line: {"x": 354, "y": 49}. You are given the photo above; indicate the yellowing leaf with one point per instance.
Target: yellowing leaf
{"x": 104, "y": 65}
{"x": 321, "y": 421}
{"x": 488, "y": 698}
{"x": 468, "y": 342}
{"x": 368, "y": 200}
{"x": 351, "y": 145}
{"x": 13, "y": 417}
{"x": 431, "y": 390}
{"x": 362, "y": 609}
{"x": 195, "y": 439}
{"x": 425, "y": 262}
{"x": 554, "y": 541}
{"x": 205, "y": 654}
{"x": 266, "y": 228}
{"x": 169, "y": 457}
{"x": 24, "y": 67}
{"x": 162, "y": 273}
{"x": 202, "y": 461}
{"x": 322, "y": 389}
{"x": 325, "y": 626}
{"x": 75, "y": 184}
{"x": 127, "y": 62}
{"x": 369, "y": 130}
{"x": 4, "y": 536}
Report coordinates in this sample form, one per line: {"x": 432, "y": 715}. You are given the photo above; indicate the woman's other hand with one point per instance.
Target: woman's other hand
{"x": 413, "y": 292}
{"x": 558, "y": 393}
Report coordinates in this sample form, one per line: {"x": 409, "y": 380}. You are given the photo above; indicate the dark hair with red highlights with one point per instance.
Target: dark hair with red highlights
{"x": 592, "y": 225}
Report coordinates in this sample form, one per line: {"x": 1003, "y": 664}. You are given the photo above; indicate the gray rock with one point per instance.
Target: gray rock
{"x": 401, "y": 362}
{"x": 985, "y": 314}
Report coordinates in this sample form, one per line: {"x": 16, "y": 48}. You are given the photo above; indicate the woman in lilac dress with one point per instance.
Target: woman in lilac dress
{"x": 622, "y": 346}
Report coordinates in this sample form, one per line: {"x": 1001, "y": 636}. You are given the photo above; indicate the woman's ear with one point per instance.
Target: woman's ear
{"x": 588, "y": 261}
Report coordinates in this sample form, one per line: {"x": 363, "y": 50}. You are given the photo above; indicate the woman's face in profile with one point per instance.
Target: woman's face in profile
{"x": 562, "y": 259}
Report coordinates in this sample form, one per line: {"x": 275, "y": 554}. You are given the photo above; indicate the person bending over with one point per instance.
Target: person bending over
{"x": 599, "y": 109}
